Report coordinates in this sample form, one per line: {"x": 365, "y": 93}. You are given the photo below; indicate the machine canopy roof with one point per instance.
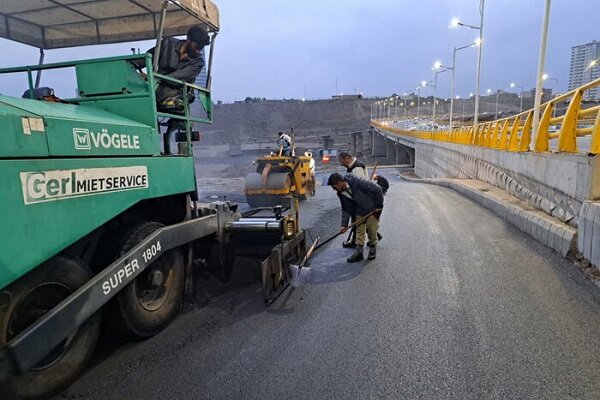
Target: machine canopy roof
{"x": 51, "y": 24}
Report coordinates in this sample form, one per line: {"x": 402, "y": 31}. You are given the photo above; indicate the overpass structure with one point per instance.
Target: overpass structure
{"x": 555, "y": 175}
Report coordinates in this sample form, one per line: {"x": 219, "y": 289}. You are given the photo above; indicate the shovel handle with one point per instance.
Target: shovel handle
{"x": 358, "y": 221}
{"x": 310, "y": 251}
{"x": 374, "y": 170}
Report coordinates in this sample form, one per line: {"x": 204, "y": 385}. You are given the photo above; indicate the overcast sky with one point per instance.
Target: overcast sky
{"x": 300, "y": 48}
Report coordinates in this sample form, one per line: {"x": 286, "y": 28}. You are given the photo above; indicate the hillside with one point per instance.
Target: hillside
{"x": 260, "y": 122}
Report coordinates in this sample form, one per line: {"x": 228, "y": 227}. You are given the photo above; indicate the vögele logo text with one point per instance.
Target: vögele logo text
{"x": 84, "y": 139}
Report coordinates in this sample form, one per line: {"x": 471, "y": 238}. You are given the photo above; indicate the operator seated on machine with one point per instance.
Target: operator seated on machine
{"x": 182, "y": 60}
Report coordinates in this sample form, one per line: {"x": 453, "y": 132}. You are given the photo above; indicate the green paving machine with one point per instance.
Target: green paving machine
{"x": 100, "y": 221}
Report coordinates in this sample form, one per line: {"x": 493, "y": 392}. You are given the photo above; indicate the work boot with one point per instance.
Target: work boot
{"x": 372, "y": 253}
{"x": 357, "y": 256}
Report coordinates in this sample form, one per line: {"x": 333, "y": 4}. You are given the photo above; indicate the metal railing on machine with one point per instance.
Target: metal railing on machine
{"x": 514, "y": 133}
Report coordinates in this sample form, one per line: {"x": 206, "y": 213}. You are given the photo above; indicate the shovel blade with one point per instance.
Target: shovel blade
{"x": 298, "y": 276}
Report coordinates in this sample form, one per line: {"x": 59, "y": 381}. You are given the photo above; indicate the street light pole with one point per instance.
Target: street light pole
{"x": 541, "y": 62}
{"x": 390, "y": 102}
{"x": 546, "y": 77}
{"x": 514, "y": 85}
{"x": 453, "y": 68}
{"x": 476, "y": 117}
{"x": 436, "y": 68}
{"x": 452, "y": 83}
{"x": 454, "y": 23}
{"x": 434, "y": 98}
{"x": 497, "y": 93}
{"x": 418, "y": 103}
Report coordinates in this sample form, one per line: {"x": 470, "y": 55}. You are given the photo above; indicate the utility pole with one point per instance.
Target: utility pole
{"x": 541, "y": 62}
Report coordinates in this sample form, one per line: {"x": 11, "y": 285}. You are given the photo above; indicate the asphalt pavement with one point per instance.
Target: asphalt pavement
{"x": 457, "y": 305}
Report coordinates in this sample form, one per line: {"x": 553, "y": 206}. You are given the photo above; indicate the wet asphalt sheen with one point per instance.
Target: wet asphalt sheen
{"x": 457, "y": 305}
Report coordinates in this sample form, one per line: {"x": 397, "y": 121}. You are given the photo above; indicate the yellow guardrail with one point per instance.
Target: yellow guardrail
{"x": 514, "y": 133}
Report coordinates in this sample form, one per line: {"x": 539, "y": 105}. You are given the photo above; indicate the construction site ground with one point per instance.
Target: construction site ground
{"x": 477, "y": 310}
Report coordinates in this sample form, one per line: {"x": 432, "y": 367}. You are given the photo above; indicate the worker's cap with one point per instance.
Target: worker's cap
{"x": 334, "y": 179}
{"x": 198, "y": 35}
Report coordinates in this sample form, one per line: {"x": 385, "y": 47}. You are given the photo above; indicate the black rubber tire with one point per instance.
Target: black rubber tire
{"x": 63, "y": 275}
{"x": 135, "y": 319}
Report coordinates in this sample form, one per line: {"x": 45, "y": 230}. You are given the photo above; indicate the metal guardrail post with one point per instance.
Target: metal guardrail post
{"x": 567, "y": 136}
{"x": 486, "y": 135}
{"x": 494, "y": 137}
{"x": 526, "y": 133}
{"x": 542, "y": 140}
{"x": 595, "y": 145}
{"x": 513, "y": 142}
{"x": 503, "y": 144}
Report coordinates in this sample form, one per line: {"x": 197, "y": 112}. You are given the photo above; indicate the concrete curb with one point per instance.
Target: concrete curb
{"x": 537, "y": 224}
{"x": 589, "y": 228}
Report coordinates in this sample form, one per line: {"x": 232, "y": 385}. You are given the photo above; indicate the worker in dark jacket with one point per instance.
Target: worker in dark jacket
{"x": 359, "y": 197}
{"x": 182, "y": 60}
{"x": 355, "y": 167}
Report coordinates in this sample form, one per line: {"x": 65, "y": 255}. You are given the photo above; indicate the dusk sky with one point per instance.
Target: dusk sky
{"x": 300, "y": 48}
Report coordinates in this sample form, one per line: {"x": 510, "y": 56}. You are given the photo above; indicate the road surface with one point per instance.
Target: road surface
{"x": 457, "y": 305}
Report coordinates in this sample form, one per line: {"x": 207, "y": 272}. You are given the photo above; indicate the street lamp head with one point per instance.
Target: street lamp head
{"x": 423, "y": 83}
{"x": 544, "y": 77}
{"x": 593, "y": 63}
{"x": 512, "y": 85}
{"x": 477, "y": 42}
{"x": 412, "y": 103}
{"x": 454, "y": 23}
{"x": 437, "y": 65}
{"x": 457, "y": 97}
{"x": 471, "y": 95}
{"x": 488, "y": 91}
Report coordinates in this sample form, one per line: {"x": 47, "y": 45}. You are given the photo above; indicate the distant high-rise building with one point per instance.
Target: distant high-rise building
{"x": 585, "y": 67}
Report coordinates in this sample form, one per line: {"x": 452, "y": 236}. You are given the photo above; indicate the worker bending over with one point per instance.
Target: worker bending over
{"x": 359, "y": 197}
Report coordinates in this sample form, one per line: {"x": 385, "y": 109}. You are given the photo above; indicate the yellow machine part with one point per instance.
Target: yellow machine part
{"x": 277, "y": 185}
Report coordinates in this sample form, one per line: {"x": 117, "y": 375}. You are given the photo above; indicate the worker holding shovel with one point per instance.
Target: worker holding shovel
{"x": 360, "y": 198}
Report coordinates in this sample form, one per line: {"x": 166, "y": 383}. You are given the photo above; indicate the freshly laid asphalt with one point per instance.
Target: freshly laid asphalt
{"x": 457, "y": 305}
